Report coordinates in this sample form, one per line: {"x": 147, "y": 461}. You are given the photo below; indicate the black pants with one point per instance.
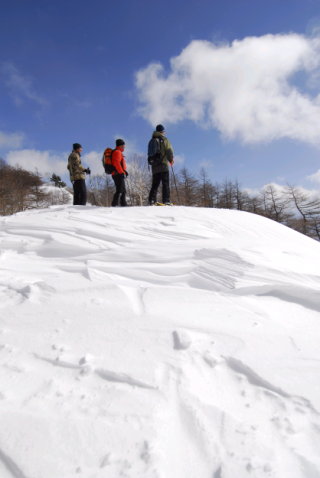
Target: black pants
{"x": 120, "y": 184}
{"x": 156, "y": 179}
{"x": 79, "y": 192}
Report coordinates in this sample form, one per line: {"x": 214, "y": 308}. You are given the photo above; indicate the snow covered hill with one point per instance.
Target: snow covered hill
{"x": 158, "y": 343}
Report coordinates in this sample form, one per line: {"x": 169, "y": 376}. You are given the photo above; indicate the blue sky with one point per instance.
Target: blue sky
{"x": 68, "y": 74}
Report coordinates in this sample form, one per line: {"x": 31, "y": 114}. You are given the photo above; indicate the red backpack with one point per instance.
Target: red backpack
{"x": 107, "y": 161}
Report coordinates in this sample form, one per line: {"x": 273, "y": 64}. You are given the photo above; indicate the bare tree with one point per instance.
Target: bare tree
{"x": 94, "y": 185}
{"x": 5, "y": 173}
{"x": 307, "y": 208}
{"x": 314, "y": 227}
{"x": 20, "y": 189}
{"x": 204, "y": 189}
{"x": 37, "y": 196}
{"x": 174, "y": 186}
{"x": 242, "y": 199}
{"x": 139, "y": 180}
{"x": 57, "y": 197}
{"x": 108, "y": 191}
{"x": 226, "y": 196}
{"x": 188, "y": 188}
{"x": 276, "y": 204}
{"x": 100, "y": 190}
{"x": 254, "y": 205}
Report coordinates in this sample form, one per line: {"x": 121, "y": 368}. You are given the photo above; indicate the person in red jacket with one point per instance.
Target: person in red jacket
{"x": 119, "y": 174}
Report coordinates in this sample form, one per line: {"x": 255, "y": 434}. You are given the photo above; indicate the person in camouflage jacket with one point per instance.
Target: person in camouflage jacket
{"x": 160, "y": 173}
{"x": 77, "y": 176}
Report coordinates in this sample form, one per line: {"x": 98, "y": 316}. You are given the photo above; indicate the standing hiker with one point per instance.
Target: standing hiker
{"x": 161, "y": 167}
{"x": 119, "y": 175}
{"x": 77, "y": 176}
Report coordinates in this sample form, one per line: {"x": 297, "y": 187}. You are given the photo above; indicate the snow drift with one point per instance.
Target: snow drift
{"x": 158, "y": 343}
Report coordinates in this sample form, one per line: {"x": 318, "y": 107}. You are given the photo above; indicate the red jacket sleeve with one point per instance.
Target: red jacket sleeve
{"x": 116, "y": 161}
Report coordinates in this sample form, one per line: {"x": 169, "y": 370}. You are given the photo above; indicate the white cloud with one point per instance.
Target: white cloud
{"x": 315, "y": 177}
{"x": 51, "y": 162}
{"x": 44, "y": 161}
{"x": 20, "y": 86}
{"x": 251, "y": 191}
{"x": 206, "y": 163}
{"x": 93, "y": 160}
{"x": 179, "y": 158}
{"x": 280, "y": 188}
{"x": 11, "y": 140}
{"x": 242, "y": 89}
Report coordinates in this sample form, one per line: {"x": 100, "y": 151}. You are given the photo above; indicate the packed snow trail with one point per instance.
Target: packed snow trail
{"x": 158, "y": 343}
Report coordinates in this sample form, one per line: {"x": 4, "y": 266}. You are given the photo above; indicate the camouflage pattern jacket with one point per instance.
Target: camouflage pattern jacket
{"x": 75, "y": 167}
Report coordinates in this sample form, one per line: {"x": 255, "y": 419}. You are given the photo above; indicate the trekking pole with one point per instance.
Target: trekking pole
{"x": 175, "y": 185}
{"x": 96, "y": 203}
{"x": 139, "y": 190}
{"x": 133, "y": 184}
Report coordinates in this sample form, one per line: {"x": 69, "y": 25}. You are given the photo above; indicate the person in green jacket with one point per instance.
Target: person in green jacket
{"x": 160, "y": 173}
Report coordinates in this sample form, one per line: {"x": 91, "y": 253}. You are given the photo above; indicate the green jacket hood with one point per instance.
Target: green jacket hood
{"x": 156, "y": 134}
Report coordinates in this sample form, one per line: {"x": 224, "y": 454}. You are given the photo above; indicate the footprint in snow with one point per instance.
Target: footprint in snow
{"x": 11, "y": 465}
{"x": 88, "y": 358}
{"x": 58, "y": 362}
{"x": 122, "y": 378}
{"x": 59, "y": 347}
{"x": 98, "y": 301}
{"x": 212, "y": 360}
{"x": 181, "y": 340}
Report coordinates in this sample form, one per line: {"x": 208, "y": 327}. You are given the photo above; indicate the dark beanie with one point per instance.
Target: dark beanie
{"x": 120, "y": 142}
{"x": 77, "y": 146}
{"x": 160, "y": 128}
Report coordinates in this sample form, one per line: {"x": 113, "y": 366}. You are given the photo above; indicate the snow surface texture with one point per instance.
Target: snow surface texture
{"x": 158, "y": 343}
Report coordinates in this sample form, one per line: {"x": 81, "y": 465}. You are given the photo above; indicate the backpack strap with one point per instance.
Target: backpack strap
{"x": 113, "y": 150}
{"x": 162, "y": 141}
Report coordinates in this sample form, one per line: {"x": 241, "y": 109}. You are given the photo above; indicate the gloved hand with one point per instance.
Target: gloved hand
{"x": 87, "y": 171}
{"x": 126, "y": 173}
{"x": 123, "y": 175}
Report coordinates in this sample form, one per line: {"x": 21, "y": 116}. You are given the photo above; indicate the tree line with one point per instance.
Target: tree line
{"x": 21, "y": 190}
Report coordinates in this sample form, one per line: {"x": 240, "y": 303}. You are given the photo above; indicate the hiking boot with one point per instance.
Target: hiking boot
{"x": 151, "y": 203}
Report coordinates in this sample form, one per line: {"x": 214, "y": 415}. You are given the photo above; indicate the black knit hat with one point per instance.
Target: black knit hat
{"x": 76, "y": 146}
{"x": 120, "y": 142}
{"x": 160, "y": 128}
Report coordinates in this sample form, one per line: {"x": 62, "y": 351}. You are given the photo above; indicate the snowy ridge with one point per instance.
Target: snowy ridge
{"x": 158, "y": 343}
